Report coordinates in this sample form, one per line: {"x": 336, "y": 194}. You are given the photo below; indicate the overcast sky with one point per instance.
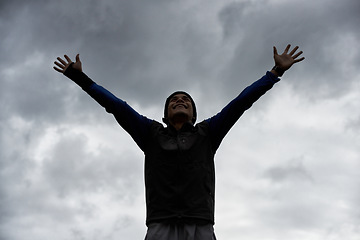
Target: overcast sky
{"x": 289, "y": 168}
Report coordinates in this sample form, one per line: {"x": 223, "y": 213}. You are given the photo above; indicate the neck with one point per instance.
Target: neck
{"x": 178, "y": 124}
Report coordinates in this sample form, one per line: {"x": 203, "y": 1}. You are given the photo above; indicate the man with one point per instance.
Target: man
{"x": 179, "y": 158}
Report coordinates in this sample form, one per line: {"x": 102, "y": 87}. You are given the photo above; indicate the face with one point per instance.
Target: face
{"x": 180, "y": 107}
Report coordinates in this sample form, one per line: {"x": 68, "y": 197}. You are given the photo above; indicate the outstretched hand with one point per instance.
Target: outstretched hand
{"x": 62, "y": 65}
{"x": 286, "y": 60}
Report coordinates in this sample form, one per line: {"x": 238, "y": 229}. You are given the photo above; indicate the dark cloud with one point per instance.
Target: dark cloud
{"x": 321, "y": 38}
{"x": 122, "y": 45}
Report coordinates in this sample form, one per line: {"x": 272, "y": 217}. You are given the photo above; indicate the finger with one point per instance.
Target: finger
{"x": 62, "y": 61}
{"x": 59, "y": 64}
{"x": 67, "y": 58}
{"x": 298, "y": 54}
{"x": 275, "y": 51}
{"x": 299, "y": 60}
{"x": 294, "y": 50}
{"x": 58, "y": 69}
{"x": 287, "y": 48}
{"x": 77, "y": 58}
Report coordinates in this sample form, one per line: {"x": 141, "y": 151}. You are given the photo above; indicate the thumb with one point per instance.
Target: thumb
{"x": 77, "y": 58}
{"x": 275, "y": 50}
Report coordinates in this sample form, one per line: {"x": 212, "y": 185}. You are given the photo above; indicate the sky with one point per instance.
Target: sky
{"x": 288, "y": 169}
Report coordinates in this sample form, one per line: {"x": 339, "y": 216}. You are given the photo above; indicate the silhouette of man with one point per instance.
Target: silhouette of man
{"x": 179, "y": 158}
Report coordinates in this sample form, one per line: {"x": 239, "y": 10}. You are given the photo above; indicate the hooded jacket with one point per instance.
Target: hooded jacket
{"x": 179, "y": 165}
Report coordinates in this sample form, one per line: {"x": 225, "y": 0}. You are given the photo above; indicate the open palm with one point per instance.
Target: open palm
{"x": 62, "y": 65}
{"x": 286, "y": 60}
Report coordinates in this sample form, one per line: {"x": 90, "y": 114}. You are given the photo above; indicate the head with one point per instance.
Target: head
{"x": 179, "y": 106}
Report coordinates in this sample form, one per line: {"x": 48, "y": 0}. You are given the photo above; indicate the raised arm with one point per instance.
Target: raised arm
{"x": 132, "y": 122}
{"x": 221, "y": 123}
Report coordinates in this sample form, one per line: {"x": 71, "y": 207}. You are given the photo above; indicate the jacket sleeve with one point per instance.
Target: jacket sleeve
{"x": 131, "y": 121}
{"x": 221, "y": 123}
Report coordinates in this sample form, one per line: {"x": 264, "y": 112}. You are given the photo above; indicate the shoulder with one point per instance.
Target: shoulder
{"x": 202, "y": 127}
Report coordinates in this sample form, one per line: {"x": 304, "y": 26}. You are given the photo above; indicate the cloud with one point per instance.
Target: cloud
{"x": 271, "y": 23}
{"x": 70, "y": 168}
{"x": 293, "y": 172}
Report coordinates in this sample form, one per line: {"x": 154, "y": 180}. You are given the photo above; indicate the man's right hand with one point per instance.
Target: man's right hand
{"x": 61, "y": 65}
{"x": 286, "y": 59}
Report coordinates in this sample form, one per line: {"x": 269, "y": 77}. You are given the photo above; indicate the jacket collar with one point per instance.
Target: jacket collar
{"x": 186, "y": 127}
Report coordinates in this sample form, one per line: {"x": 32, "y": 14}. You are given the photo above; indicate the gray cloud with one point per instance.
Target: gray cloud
{"x": 294, "y": 171}
{"x": 70, "y": 169}
{"x": 256, "y": 24}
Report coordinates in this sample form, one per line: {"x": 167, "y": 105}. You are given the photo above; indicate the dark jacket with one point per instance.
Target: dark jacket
{"x": 179, "y": 165}
{"x": 179, "y": 173}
